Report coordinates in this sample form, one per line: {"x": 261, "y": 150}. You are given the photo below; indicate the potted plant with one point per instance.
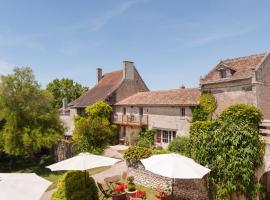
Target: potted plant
{"x": 131, "y": 187}
{"x": 119, "y": 192}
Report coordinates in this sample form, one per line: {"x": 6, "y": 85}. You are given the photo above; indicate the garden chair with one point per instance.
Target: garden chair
{"x": 105, "y": 194}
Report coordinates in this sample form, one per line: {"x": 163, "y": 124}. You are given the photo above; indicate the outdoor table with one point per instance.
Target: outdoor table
{"x": 112, "y": 181}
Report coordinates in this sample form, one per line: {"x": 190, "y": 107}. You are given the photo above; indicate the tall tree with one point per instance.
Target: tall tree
{"x": 65, "y": 88}
{"x": 94, "y": 131}
{"x": 31, "y": 122}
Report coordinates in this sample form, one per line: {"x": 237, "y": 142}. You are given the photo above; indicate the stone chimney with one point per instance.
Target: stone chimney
{"x": 128, "y": 70}
{"x": 99, "y": 74}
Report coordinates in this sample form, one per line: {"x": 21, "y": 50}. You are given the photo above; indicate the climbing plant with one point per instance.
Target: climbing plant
{"x": 206, "y": 109}
{"x": 231, "y": 147}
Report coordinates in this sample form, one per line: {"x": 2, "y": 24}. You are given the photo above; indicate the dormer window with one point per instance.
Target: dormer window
{"x": 223, "y": 73}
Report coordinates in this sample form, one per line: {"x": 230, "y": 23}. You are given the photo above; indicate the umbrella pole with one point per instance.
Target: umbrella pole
{"x": 172, "y": 186}
{"x": 85, "y": 187}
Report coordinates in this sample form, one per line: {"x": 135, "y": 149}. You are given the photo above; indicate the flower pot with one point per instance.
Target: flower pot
{"x": 119, "y": 196}
{"x": 130, "y": 194}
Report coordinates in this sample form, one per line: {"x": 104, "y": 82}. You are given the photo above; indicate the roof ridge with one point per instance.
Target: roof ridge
{"x": 169, "y": 90}
{"x": 243, "y": 57}
{"x": 119, "y": 70}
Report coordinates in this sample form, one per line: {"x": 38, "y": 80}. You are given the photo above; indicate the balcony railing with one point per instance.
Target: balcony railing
{"x": 265, "y": 128}
{"x": 133, "y": 120}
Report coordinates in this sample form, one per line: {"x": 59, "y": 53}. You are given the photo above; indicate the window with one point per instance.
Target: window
{"x": 141, "y": 111}
{"x": 223, "y": 73}
{"x": 168, "y": 136}
{"x": 124, "y": 111}
{"x": 165, "y": 137}
{"x": 183, "y": 112}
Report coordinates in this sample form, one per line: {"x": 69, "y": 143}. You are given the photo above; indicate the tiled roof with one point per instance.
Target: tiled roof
{"x": 242, "y": 68}
{"x": 108, "y": 84}
{"x": 182, "y": 97}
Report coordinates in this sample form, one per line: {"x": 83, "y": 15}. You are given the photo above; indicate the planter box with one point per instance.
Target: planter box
{"x": 119, "y": 197}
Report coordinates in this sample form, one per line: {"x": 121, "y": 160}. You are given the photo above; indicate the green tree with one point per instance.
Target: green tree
{"x": 180, "y": 144}
{"x": 147, "y": 138}
{"x": 31, "y": 122}
{"x": 231, "y": 147}
{"x": 93, "y": 132}
{"x": 65, "y": 88}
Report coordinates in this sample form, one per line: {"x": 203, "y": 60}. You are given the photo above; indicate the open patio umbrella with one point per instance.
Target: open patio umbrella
{"x": 174, "y": 166}
{"x": 83, "y": 161}
{"x": 22, "y": 186}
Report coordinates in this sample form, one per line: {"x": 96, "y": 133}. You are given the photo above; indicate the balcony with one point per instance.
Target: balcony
{"x": 131, "y": 120}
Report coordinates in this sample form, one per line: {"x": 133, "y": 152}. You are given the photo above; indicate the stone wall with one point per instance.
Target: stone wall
{"x": 230, "y": 93}
{"x": 194, "y": 189}
{"x": 148, "y": 179}
{"x": 191, "y": 189}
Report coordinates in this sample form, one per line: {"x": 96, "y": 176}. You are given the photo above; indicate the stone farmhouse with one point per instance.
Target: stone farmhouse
{"x": 168, "y": 112}
{"x": 111, "y": 87}
{"x": 240, "y": 80}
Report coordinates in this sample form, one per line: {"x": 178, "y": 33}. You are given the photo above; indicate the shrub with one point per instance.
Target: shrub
{"x": 72, "y": 186}
{"x": 198, "y": 114}
{"x": 242, "y": 113}
{"x": 135, "y": 153}
{"x": 94, "y": 131}
{"x": 146, "y": 138}
{"x": 180, "y": 145}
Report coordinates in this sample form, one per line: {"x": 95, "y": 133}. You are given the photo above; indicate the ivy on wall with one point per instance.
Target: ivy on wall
{"x": 205, "y": 110}
{"x": 231, "y": 147}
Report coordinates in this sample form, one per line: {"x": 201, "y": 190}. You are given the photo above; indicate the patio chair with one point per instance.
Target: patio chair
{"x": 105, "y": 194}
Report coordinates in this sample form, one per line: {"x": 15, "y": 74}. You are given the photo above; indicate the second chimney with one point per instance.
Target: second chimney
{"x": 129, "y": 70}
{"x": 99, "y": 74}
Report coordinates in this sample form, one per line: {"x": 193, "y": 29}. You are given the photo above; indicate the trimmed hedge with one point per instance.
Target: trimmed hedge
{"x": 135, "y": 153}
{"x": 72, "y": 186}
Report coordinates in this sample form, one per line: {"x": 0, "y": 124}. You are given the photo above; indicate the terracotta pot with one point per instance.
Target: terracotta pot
{"x": 130, "y": 194}
{"x": 119, "y": 197}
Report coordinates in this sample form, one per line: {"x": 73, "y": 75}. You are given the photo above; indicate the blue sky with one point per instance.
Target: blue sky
{"x": 172, "y": 42}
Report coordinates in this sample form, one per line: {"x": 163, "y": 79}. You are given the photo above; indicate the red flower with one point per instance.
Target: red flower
{"x": 120, "y": 188}
{"x": 140, "y": 194}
